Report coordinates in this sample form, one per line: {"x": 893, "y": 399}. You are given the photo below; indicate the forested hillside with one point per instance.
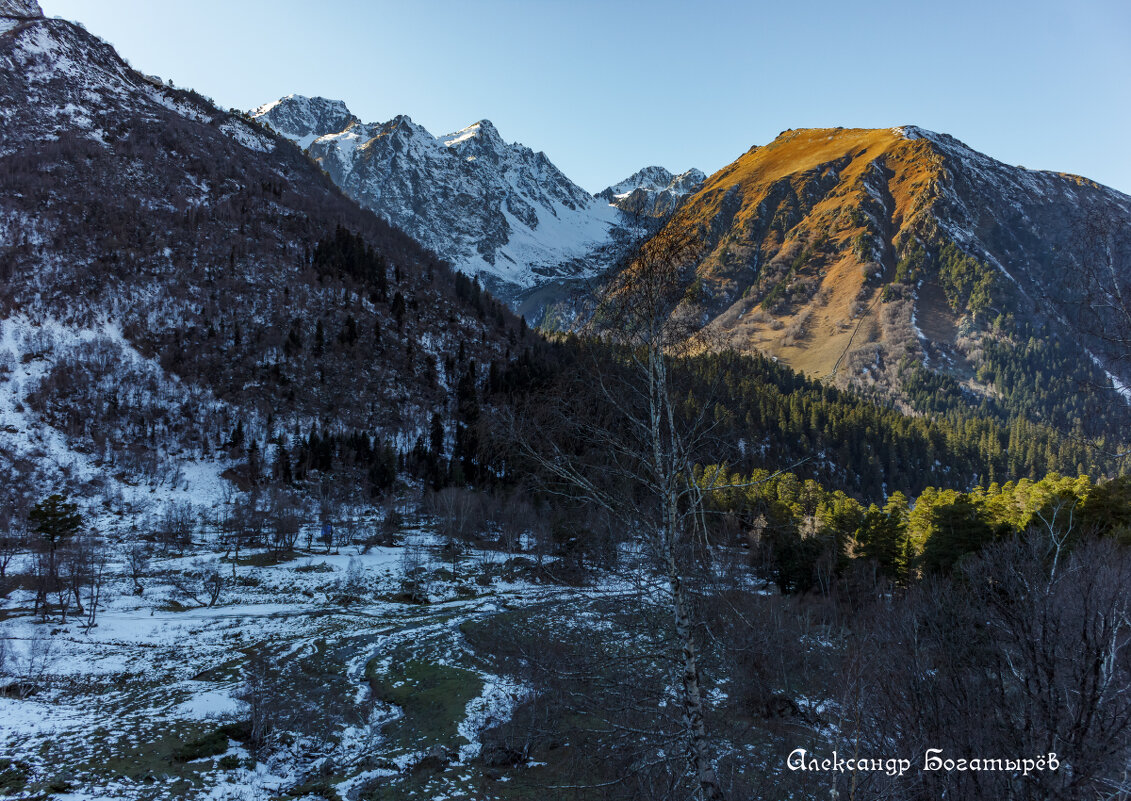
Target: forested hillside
{"x": 173, "y": 273}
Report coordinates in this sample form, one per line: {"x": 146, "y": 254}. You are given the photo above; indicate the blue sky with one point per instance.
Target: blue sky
{"x": 605, "y": 88}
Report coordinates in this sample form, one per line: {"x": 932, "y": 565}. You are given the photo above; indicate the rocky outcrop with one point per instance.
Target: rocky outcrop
{"x": 653, "y": 191}
{"x": 304, "y": 119}
{"x": 20, "y": 8}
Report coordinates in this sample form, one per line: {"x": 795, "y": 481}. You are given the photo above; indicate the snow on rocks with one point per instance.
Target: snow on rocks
{"x": 20, "y": 8}
{"x": 498, "y": 210}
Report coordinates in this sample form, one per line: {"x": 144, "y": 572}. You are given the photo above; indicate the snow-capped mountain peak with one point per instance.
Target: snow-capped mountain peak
{"x": 688, "y": 181}
{"x": 655, "y": 179}
{"x": 913, "y": 132}
{"x": 483, "y": 132}
{"x": 650, "y": 179}
{"x": 304, "y": 119}
{"x": 493, "y": 208}
{"x": 652, "y": 191}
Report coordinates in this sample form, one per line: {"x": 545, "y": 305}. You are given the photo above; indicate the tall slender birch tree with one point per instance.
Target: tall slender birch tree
{"x": 621, "y": 437}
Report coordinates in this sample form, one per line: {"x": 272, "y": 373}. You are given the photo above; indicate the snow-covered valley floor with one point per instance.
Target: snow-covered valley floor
{"x": 149, "y": 703}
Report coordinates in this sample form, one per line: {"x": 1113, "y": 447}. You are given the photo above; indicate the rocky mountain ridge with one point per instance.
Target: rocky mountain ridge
{"x": 20, "y": 8}
{"x": 303, "y": 119}
{"x": 653, "y": 191}
{"x": 497, "y": 210}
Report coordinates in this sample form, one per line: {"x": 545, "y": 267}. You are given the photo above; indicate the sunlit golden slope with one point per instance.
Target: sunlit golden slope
{"x": 802, "y": 233}
{"x": 832, "y": 162}
{"x": 882, "y": 257}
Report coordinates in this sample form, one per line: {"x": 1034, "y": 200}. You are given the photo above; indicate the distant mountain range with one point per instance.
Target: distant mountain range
{"x": 653, "y": 191}
{"x": 886, "y": 259}
{"x": 497, "y": 210}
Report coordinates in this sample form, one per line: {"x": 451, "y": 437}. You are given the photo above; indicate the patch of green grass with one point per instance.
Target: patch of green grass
{"x": 433, "y": 697}
{"x": 161, "y": 754}
{"x": 325, "y": 660}
{"x": 474, "y": 627}
{"x": 399, "y": 788}
{"x": 318, "y": 788}
{"x": 266, "y": 559}
{"x": 225, "y": 671}
{"x": 564, "y": 765}
{"x": 231, "y": 669}
{"x": 211, "y": 744}
{"x": 59, "y": 785}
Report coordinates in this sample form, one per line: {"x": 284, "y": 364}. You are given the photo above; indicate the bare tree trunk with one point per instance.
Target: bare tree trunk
{"x": 651, "y": 445}
{"x": 698, "y": 742}
{"x": 667, "y": 463}
{"x": 97, "y": 571}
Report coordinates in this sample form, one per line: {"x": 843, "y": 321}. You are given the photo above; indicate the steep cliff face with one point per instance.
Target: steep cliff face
{"x": 497, "y": 210}
{"x": 893, "y": 259}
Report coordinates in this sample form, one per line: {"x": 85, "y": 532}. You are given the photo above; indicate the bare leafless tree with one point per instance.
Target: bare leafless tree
{"x": 95, "y": 558}
{"x": 176, "y": 525}
{"x": 1009, "y": 659}
{"x": 202, "y": 583}
{"x": 285, "y": 513}
{"x": 458, "y": 512}
{"x": 242, "y": 524}
{"x": 256, "y": 692}
{"x": 13, "y": 540}
{"x": 14, "y": 533}
{"x": 620, "y": 438}
{"x": 27, "y": 667}
{"x": 415, "y": 567}
{"x": 64, "y": 582}
{"x": 459, "y": 515}
{"x": 1056, "y": 523}
{"x": 137, "y": 565}
{"x": 79, "y": 561}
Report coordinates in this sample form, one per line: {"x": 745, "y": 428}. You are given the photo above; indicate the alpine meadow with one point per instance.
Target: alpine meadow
{"x": 346, "y": 461}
